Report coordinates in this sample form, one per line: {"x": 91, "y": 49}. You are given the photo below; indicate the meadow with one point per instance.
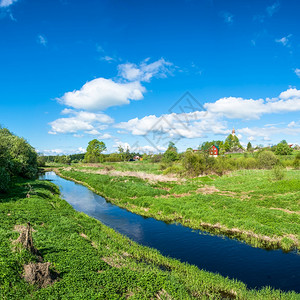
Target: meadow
{"x": 91, "y": 260}
{"x": 246, "y": 204}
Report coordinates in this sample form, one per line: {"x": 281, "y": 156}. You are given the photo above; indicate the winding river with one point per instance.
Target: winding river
{"x": 254, "y": 266}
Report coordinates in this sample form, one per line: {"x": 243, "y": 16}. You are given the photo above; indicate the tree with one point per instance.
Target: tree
{"x": 94, "y": 151}
{"x": 249, "y": 147}
{"x": 17, "y": 158}
{"x": 171, "y": 154}
{"x": 267, "y": 159}
{"x": 283, "y": 149}
{"x": 232, "y": 141}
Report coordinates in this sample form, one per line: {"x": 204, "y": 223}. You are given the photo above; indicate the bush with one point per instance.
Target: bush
{"x": 194, "y": 163}
{"x": 4, "y": 180}
{"x": 174, "y": 169}
{"x": 222, "y": 164}
{"x": 267, "y": 159}
{"x": 156, "y": 158}
{"x": 296, "y": 162}
{"x": 170, "y": 156}
{"x": 278, "y": 172}
{"x": 283, "y": 149}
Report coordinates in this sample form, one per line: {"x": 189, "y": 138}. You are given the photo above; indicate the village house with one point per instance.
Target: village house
{"x": 214, "y": 151}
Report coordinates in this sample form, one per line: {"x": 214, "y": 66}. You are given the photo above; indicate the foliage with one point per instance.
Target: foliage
{"x": 267, "y": 159}
{"x": 4, "y": 179}
{"x": 296, "y": 162}
{"x": 240, "y": 191}
{"x": 171, "y": 154}
{"x": 232, "y": 141}
{"x": 194, "y": 163}
{"x": 278, "y": 172}
{"x": 94, "y": 150}
{"x": 17, "y": 158}
{"x": 249, "y": 146}
{"x": 76, "y": 244}
{"x": 283, "y": 149}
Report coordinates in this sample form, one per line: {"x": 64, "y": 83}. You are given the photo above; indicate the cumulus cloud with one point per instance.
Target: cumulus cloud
{"x": 61, "y": 151}
{"x": 145, "y": 71}
{"x": 213, "y": 121}
{"x": 7, "y": 3}
{"x": 240, "y": 108}
{"x": 189, "y": 125}
{"x": 139, "y": 149}
{"x": 297, "y": 72}
{"x": 79, "y": 121}
{"x": 101, "y": 93}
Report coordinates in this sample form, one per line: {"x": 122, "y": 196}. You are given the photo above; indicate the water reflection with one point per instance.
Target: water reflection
{"x": 254, "y": 266}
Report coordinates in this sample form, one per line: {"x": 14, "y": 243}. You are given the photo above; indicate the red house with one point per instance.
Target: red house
{"x": 214, "y": 151}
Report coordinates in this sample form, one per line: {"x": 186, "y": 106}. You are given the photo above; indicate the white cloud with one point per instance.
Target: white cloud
{"x": 188, "y": 125}
{"x": 62, "y": 152}
{"x": 108, "y": 58}
{"x": 239, "y": 108}
{"x": 139, "y": 149}
{"x": 297, "y": 72}
{"x": 272, "y": 9}
{"x": 42, "y": 40}
{"x": 285, "y": 41}
{"x": 144, "y": 71}
{"x": 101, "y": 93}
{"x": 200, "y": 123}
{"x": 80, "y": 121}
{"x": 7, "y": 3}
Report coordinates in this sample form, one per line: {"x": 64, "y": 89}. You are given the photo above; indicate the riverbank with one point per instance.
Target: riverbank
{"x": 247, "y": 205}
{"x": 93, "y": 261}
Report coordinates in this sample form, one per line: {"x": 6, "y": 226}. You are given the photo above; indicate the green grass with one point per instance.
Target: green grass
{"x": 93, "y": 261}
{"x": 131, "y": 166}
{"x": 249, "y": 205}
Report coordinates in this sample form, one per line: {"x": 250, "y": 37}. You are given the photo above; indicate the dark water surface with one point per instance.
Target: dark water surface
{"x": 254, "y": 266}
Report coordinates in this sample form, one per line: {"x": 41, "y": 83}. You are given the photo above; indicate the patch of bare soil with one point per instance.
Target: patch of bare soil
{"x": 39, "y": 274}
{"x": 208, "y": 189}
{"x": 34, "y": 273}
{"x": 25, "y": 237}
{"x": 286, "y": 210}
{"x": 162, "y": 294}
{"x": 142, "y": 175}
{"x": 114, "y": 261}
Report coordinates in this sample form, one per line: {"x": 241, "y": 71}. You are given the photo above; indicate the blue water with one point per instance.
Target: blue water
{"x": 254, "y": 266}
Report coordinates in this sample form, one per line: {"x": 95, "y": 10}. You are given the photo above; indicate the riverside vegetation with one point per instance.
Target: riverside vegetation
{"x": 92, "y": 261}
{"x": 70, "y": 255}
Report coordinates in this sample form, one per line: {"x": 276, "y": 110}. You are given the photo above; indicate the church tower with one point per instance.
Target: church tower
{"x": 233, "y": 132}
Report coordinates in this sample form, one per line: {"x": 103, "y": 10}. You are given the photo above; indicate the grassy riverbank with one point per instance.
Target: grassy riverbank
{"x": 248, "y": 204}
{"x": 93, "y": 261}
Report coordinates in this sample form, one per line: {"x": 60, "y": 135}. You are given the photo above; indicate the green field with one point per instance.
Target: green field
{"x": 92, "y": 261}
{"x": 247, "y": 204}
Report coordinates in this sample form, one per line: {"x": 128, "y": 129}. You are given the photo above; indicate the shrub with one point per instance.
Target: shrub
{"x": 278, "y": 172}
{"x": 174, "y": 169}
{"x": 156, "y": 158}
{"x": 4, "y": 180}
{"x": 296, "y": 162}
{"x": 194, "y": 163}
{"x": 283, "y": 149}
{"x": 222, "y": 165}
{"x": 267, "y": 159}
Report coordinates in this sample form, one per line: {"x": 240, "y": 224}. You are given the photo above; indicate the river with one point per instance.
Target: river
{"x": 229, "y": 257}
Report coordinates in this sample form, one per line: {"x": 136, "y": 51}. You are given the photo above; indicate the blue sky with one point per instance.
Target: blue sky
{"x": 71, "y": 71}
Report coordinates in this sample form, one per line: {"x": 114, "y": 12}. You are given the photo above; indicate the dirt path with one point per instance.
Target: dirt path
{"x": 142, "y": 175}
